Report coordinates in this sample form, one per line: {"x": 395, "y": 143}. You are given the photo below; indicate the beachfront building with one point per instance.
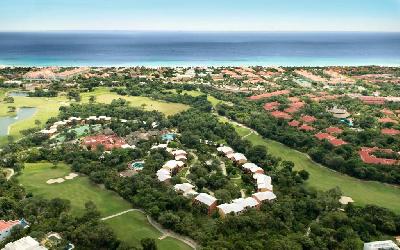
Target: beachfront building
{"x": 207, "y": 201}
{"x": 26, "y": 243}
{"x": 381, "y": 245}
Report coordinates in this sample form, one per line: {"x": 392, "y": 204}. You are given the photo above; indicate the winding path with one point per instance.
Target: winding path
{"x": 165, "y": 232}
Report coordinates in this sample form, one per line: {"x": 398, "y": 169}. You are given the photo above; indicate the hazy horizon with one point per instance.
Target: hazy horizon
{"x": 207, "y": 15}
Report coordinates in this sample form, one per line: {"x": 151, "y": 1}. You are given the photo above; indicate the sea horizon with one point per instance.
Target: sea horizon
{"x": 198, "y": 48}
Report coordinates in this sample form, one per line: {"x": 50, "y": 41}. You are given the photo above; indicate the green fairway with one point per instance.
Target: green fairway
{"x": 134, "y": 226}
{"x": 49, "y": 107}
{"x": 78, "y": 190}
{"x": 322, "y": 178}
{"x": 105, "y": 96}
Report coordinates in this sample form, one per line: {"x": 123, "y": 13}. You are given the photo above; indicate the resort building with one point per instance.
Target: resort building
{"x": 264, "y": 182}
{"x": 339, "y": 113}
{"x": 163, "y": 175}
{"x": 225, "y": 150}
{"x": 108, "y": 141}
{"x": 186, "y": 189}
{"x": 180, "y": 155}
{"x": 238, "y": 158}
{"x": 237, "y": 206}
{"x": 26, "y": 243}
{"x": 381, "y": 245}
{"x": 206, "y": 200}
{"x": 6, "y": 226}
{"x": 263, "y": 197}
{"x": 173, "y": 166}
{"x": 252, "y": 168}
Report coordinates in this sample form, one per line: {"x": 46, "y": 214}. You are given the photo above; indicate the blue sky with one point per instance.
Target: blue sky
{"x": 201, "y": 15}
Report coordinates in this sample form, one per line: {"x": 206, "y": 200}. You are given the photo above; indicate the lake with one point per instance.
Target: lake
{"x": 22, "y": 113}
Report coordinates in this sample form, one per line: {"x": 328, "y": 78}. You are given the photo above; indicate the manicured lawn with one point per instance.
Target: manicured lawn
{"x": 49, "y": 107}
{"x": 79, "y": 190}
{"x": 322, "y": 178}
{"x": 133, "y": 227}
{"x": 168, "y": 108}
{"x": 46, "y": 108}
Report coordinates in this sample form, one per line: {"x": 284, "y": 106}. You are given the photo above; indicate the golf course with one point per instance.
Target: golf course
{"x": 49, "y": 107}
{"x": 322, "y": 178}
{"x": 130, "y": 227}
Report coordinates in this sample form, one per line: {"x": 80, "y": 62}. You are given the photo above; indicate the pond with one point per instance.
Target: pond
{"x": 22, "y": 113}
{"x": 17, "y": 93}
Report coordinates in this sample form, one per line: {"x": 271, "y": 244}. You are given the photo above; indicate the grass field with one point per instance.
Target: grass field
{"x": 78, "y": 191}
{"x": 133, "y": 227}
{"x": 103, "y": 95}
{"x": 214, "y": 101}
{"x": 130, "y": 227}
{"x": 49, "y": 107}
{"x": 322, "y": 178}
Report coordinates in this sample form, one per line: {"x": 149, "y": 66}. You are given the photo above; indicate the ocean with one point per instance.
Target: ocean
{"x": 199, "y": 48}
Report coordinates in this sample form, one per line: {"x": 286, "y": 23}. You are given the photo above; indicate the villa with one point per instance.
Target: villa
{"x": 263, "y": 182}
{"x": 282, "y": 115}
{"x": 252, "y": 168}
{"x": 263, "y": 197}
{"x": 180, "y": 155}
{"x": 186, "y": 189}
{"x": 108, "y": 141}
{"x": 390, "y": 131}
{"x": 225, "y": 150}
{"x": 238, "y": 158}
{"x": 206, "y": 200}
{"x": 237, "y": 206}
{"x": 173, "y": 166}
{"x": 7, "y": 226}
{"x": 366, "y": 155}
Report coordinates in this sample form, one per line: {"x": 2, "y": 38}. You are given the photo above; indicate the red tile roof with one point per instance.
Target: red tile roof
{"x": 387, "y": 111}
{"x": 271, "y": 105}
{"x": 390, "y": 131}
{"x": 334, "y": 130}
{"x": 306, "y": 127}
{"x": 294, "y": 123}
{"x": 294, "y": 99}
{"x": 308, "y": 118}
{"x": 387, "y": 120}
{"x": 372, "y": 99}
{"x": 280, "y": 114}
{"x": 267, "y": 95}
{"x": 337, "y": 142}
{"x": 367, "y": 157}
{"x": 4, "y": 225}
{"x": 326, "y": 136}
{"x": 108, "y": 141}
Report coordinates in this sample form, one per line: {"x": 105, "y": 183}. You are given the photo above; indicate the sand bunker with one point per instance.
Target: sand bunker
{"x": 71, "y": 176}
{"x": 345, "y": 200}
{"x": 61, "y": 180}
{"x": 52, "y": 181}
